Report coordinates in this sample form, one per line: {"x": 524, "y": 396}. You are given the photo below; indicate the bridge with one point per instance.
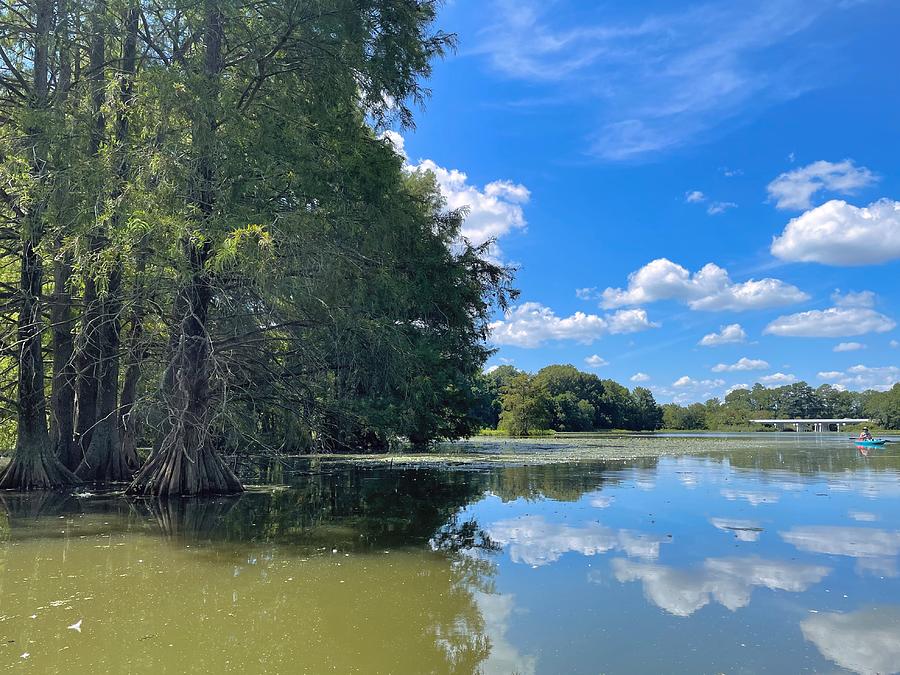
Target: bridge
{"x": 818, "y": 425}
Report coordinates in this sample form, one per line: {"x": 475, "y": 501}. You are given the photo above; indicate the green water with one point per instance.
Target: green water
{"x": 781, "y": 558}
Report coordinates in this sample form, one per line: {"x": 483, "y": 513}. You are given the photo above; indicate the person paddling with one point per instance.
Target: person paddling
{"x": 864, "y": 435}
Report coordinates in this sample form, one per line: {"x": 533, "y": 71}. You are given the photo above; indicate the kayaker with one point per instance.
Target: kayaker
{"x": 864, "y": 435}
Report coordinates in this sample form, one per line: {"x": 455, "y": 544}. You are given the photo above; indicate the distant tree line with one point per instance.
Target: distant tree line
{"x": 561, "y": 398}
{"x": 797, "y": 400}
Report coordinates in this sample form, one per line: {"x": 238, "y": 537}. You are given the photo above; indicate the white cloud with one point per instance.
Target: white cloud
{"x": 848, "y": 347}
{"x": 832, "y": 322}
{"x": 709, "y": 289}
{"x": 531, "y": 324}
{"x": 894, "y": 344}
{"x": 396, "y": 141}
{"x": 640, "y": 377}
{"x": 492, "y": 211}
{"x": 716, "y": 208}
{"x": 490, "y": 369}
{"x": 694, "y": 197}
{"x": 853, "y": 299}
{"x": 728, "y": 581}
{"x": 732, "y": 333}
{"x": 778, "y": 378}
{"x": 865, "y": 642}
{"x": 742, "y": 364}
{"x": 587, "y": 293}
{"x": 595, "y": 361}
{"x": 659, "y": 79}
{"x": 744, "y": 530}
{"x": 861, "y": 377}
{"x": 838, "y": 233}
{"x": 795, "y": 189}
{"x": 735, "y": 387}
{"x": 685, "y": 382}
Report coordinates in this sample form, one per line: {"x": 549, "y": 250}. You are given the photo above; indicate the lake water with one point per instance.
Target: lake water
{"x": 780, "y": 557}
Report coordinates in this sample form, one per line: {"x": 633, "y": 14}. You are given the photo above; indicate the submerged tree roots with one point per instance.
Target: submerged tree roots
{"x": 39, "y": 470}
{"x": 175, "y": 471}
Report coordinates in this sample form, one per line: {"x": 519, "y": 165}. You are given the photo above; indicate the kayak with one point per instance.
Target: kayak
{"x": 873, "y": 443}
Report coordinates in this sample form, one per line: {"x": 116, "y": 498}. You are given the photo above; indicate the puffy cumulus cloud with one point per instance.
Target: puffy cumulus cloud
{"x": 532, "y": 540}
{"x": 853, "y": 542}
{"x": 735, "y": 387}
{"x": 492, "y": 211}
{"x": 709, "y": 289}
{"x": 694, "y": 197}
{"x": 742, "y": 364}
{"x": 838, "y": 233}
{"x": 865, "y": 642}
{"x": 531, "y": 324}
{"x": 744, "y": 530}
{"x": 595, "y": 361}
{"x": 833, "y": 322}
{"x": 397, "y": 142}
{"x": 688, "y": 382}
{"x": 778, "y": 378}
{"x": 848, "y": 347}
{"x": 640, "y": 377}
{"x": 729, "y": 334}
{"x": 862, "y": 377}
{"x": 728, "y": 581}
{"x": 795, "y": 189}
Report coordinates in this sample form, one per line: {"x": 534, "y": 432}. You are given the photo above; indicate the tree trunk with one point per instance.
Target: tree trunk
{"x": 34, "y": 465}
{"x": 62, "y": 398}
{"x": 105, "y": 459}
{"x": 62, "y": 342}
{"x": 188, "y": 462}
{"x": 88, "y": 353}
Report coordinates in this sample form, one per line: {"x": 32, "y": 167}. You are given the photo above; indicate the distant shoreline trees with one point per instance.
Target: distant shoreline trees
{"x": 562, "y": 398}
{"x": 793, "y": 401}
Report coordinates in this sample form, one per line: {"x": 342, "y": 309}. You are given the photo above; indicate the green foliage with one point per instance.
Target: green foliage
{"x": 344, "y": 309}
{"x": 797, "y": 400}
{"x": 561, "y": 398}
{"x": 884, "y": 407}
{"x": 526, "y": 406}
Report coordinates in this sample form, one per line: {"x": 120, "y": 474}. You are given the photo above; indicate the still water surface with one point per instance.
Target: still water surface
{"x": 781, "y": 559}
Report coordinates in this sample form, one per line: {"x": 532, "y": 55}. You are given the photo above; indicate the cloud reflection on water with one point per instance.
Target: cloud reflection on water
{"x": 535, "y": 541}
{"x": 866, "y": 641}
{"x": 728, "y": 581}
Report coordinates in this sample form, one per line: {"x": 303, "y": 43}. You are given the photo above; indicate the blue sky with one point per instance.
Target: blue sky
{"x": 661, "y": 171}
